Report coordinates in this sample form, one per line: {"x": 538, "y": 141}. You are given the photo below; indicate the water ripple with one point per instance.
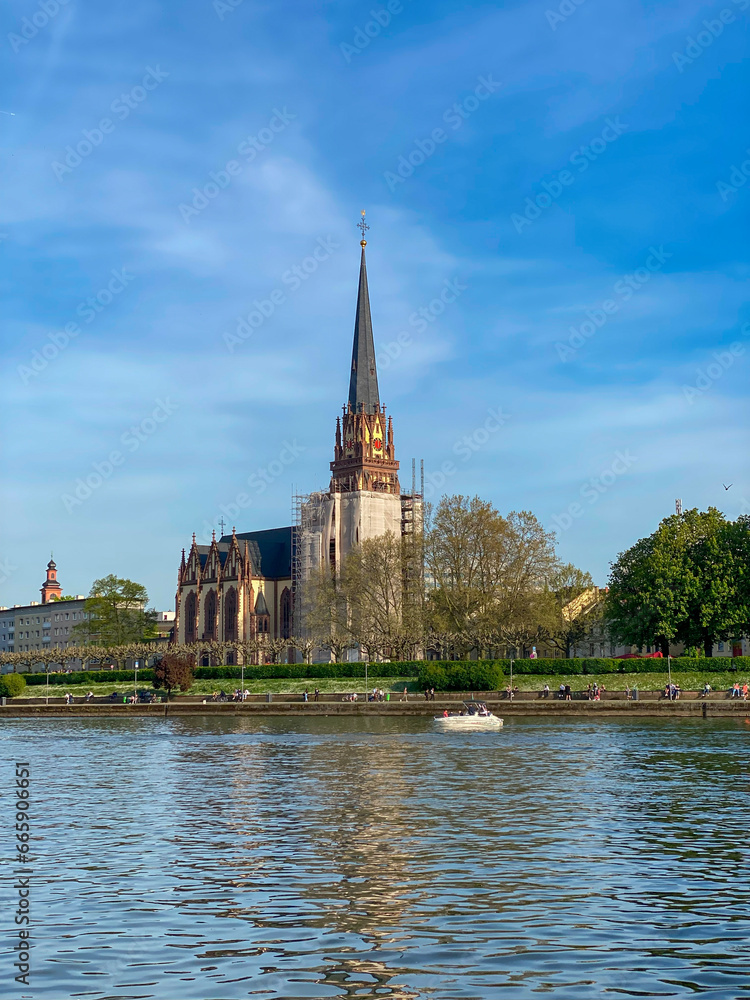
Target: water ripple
{"x": 216, "y": 858}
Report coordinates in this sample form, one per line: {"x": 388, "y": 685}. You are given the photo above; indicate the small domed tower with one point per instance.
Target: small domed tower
{"x": 51, "y": 587}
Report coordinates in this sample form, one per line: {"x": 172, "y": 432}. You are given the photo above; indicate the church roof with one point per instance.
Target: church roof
{"x": 270, "y": 551}
{"x": 363, "y": 383}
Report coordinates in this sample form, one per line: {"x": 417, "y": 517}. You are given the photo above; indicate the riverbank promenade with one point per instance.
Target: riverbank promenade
{"x": 613, "y": 704}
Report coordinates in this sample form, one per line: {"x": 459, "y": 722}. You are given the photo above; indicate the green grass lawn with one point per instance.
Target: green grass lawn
{"x": 689, "y": 680}
{"x": 207, "y": 687}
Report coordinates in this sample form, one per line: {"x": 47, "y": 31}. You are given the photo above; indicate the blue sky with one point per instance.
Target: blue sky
{"x": 123, "y": 112}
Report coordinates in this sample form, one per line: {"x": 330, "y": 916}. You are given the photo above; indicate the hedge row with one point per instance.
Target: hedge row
{"x": 444, "y": 675}
{"x": 303, "y": 671}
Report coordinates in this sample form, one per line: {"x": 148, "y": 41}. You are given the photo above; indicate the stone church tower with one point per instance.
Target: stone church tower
{"x": 364, "y": 498}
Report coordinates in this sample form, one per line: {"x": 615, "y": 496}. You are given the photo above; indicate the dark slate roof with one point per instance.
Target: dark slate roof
{"x": 363, "y": 383}
{"x": 223, "y": 547}
{"x": 261, "y": 608}
{"x": 271, "y": 551}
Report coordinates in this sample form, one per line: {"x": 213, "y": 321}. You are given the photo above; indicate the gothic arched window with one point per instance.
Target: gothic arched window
{"x": 210, "y": 619}
{"x": 286, "y": 613}
{"x": 191, "y": 617}
{"x": 230, "y": 615}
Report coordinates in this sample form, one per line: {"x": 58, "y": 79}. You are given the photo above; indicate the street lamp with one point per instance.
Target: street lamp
{"x": 135, "y": 689}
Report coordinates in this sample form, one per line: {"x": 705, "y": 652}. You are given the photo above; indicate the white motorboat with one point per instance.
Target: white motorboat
{"x": 474, "y": 715}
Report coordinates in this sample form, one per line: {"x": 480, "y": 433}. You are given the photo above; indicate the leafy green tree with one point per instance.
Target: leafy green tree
{"x": 687, "y": 582}
{"x": 117, "y": 613}
{"x": 12, "y": 685}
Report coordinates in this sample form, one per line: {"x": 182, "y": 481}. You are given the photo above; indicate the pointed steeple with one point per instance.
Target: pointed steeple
{"x": 363, "y": 383}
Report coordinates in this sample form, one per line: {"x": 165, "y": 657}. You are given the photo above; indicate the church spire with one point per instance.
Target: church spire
{"x": 363, "y": 383}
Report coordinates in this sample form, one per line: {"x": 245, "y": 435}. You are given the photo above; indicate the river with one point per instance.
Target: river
{"x": 219, "y": 857}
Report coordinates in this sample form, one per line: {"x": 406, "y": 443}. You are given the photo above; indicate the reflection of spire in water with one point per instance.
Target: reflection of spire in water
{"x": 309, "y": 845}
{"x": 366, "y": 839}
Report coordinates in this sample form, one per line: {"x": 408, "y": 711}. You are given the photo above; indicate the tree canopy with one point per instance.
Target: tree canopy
{"x": 489, "y": 581}
{"x": 688, "y": 582}
{"x": 117, "y": 613}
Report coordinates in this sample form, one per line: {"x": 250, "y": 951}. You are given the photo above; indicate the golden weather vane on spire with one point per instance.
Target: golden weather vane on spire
{"x": 363, "y": 227}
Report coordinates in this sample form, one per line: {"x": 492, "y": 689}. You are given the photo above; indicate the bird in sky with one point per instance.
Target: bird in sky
{"x": 728, "y": 487}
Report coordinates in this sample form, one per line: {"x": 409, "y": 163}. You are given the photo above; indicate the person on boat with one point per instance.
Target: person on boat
{"x": 445, "y": 713}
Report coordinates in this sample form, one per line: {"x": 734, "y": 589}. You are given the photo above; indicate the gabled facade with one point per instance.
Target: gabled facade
{"x": 236, "y": 588}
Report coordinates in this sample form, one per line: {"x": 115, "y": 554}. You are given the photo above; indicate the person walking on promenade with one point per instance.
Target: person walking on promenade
{"x": 561, "y": 692}
{"x": 744, "y": 691}
{"x": 306, "y": 696}
{"x": 405, "y": 696}
{"x": 432, "y": 694}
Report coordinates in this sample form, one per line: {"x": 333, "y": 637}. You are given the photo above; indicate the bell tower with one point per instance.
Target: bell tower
{"x": 51, "y": 588}
{"x": 363, "y": 454}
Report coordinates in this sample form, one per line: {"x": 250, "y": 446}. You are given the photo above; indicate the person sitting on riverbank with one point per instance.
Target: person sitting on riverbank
{"x": 736, "y": 689}
{"x": 706, "y": 690}
{"x": 561, "y": 692}
{"x": 68, "y": 698}
{"x": 89, "y": 695}
{"x": 316, "y": 695}
{"x": 509, "y": 693}
{"x": 545, "y": 691}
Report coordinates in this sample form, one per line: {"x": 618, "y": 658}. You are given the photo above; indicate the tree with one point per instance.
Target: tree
{"x": 574, "y": 609}
{"x": 117, "y": 613}
{"x": 12, "y": 685}
{"x": 323, "y": 613}
{"x": 62, "y": 597}
{"x": 175, "y": 669}
{"x": 490, "y": 575}
{"x": 465, "y": 544}
{"x": 687, "y": 582}
{"x": 384, "y": 608}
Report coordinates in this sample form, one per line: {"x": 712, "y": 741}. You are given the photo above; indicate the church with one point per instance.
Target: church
{"x": 246, "y": 584}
